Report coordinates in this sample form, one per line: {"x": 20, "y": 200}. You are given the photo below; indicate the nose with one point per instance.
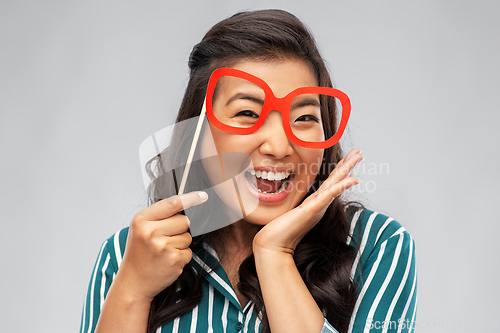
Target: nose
{"x": 274, "y": 141}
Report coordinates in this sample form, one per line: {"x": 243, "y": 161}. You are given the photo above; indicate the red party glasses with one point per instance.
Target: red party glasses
{"x": 239, "y": 103}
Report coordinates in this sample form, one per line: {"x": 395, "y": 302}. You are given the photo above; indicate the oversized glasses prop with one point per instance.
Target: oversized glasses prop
{"x": 238, "y": 103}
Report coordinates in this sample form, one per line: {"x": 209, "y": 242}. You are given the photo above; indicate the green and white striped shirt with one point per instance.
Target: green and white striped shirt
{"x": 384, "y": 265}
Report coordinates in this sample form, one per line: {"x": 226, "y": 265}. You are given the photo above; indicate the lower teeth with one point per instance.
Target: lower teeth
{"x": 281, "y": 189}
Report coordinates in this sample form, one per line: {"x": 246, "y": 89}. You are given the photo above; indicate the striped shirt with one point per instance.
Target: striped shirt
{"x": 384, "y": 267}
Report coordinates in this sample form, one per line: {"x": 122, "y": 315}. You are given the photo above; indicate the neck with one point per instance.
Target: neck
{"x": 236, "y": 239}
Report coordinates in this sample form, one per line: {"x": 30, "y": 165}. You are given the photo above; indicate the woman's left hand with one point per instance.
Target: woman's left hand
{"x": 284, "y": 233}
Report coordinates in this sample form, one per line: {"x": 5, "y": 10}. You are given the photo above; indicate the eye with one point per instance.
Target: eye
{"x": 307, "y": 117}
{"x": 247, "y": 113}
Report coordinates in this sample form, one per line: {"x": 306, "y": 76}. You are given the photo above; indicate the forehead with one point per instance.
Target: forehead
{"x": 282, "y": 76}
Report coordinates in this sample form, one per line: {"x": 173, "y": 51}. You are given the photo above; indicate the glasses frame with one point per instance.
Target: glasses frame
{"x": 273, "y": 103}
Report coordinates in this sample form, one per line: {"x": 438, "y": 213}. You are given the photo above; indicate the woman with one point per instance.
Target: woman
{"x": 302, "y": 260}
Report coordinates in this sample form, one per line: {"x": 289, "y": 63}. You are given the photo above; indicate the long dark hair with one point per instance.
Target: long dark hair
{"x": 323, "y": 258}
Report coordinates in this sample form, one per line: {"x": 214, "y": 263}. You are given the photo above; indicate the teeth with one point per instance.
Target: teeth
{"x": 282, "y": 175}
{"x": 270, "y": 175}
{"x": 281, "y": 189}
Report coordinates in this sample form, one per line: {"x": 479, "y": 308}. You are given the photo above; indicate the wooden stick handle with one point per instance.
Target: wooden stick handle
{"x": 193, "y": 148}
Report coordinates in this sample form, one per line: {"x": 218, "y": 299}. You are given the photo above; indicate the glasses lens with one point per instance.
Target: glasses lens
{"x": 307, "y": 121}
{"x": 237, "y": 102}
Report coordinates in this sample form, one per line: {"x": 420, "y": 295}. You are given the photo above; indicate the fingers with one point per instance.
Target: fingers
{"x": 338, "y": 181}
{"x": 337, "y": 188}
{"x": 344, "y": 167}
{"x": 174, "y": 225}
{"x": 168, "y": 207}
{"x": 179, "y": 242}
{"x": 187, "y": 255}
{"x": 352, "y": 152}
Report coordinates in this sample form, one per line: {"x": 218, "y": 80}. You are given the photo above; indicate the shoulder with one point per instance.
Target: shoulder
{"x": 378, "y": 237}
{"x": 371, "y": 227}
{"x": 113, "y": 248}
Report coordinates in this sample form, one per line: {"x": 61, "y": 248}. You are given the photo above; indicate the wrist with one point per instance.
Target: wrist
{"x": 265, "y": 249}
{"x": 128, "y": 294}
{"x": 123, "y": 310}
{"x": 272, "y": 257}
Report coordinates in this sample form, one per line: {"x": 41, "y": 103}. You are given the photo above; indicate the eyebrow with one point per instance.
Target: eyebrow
{"x": 306, "y": 102}
{"x": 245, "y": 96}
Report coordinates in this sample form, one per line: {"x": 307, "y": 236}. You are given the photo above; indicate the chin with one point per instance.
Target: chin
{"x": 262, "y": 215}
{"x": 259, "y": 219}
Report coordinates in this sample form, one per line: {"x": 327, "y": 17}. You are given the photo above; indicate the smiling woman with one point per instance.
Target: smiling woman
{"x": 302, "y": 259}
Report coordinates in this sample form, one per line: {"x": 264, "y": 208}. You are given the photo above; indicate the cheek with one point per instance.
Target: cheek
{"x": 316, "y": 165}
{"x": 220, "y": 141}
{"x": 216, "y": 140}
{"x": 223, "y": 155}
{"x": 308, "y": 168}
{"x": 312, "y": 159}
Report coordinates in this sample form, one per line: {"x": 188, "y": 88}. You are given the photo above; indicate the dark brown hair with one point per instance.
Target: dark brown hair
{"x": 323, "y": 258}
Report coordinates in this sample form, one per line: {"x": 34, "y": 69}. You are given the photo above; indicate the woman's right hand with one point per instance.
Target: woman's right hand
{"x": 157, "y": 246}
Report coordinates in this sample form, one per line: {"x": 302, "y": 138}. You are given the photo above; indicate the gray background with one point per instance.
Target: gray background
{"x": 83, "y": 83}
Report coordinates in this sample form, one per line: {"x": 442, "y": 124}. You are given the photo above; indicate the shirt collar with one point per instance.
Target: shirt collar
{"x": 205, "y": 258}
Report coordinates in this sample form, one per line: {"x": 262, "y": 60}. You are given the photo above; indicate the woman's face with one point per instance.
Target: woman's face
{"x": 269, "y": 148}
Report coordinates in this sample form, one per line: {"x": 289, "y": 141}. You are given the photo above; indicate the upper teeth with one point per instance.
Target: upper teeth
{"x": 270, "y": 175}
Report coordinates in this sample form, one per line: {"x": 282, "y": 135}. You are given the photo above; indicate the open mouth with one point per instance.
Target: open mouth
{"x": 269, "y": 182}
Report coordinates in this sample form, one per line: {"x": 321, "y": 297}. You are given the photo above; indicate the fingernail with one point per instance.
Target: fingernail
{"x": 203, "y": 195}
